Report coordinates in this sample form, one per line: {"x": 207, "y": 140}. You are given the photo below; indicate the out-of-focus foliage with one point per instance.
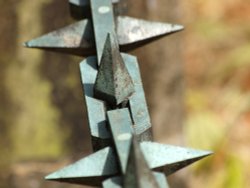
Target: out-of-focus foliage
{"x": 42, "y": 113}
{"x": 217, "y": 55}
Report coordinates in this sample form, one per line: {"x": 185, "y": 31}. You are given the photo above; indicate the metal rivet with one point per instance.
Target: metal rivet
{"x": 103, "y": 9}
{"x": 125, "y": 136}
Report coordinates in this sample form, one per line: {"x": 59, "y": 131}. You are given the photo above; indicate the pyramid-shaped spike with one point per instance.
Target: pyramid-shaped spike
{"x": 138, "y": 174}
{"x": 78, "y": 38}
{"x": 121, "y": 128}
{"x": 91, "y": 170}
{"x": 75, "y": 39}
{"x": 134, "y": 33}
{"x": 170, "y": 158}
{"x": 113, "y": 83}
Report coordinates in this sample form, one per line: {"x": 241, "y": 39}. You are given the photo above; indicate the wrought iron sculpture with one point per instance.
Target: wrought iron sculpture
{"x": 124, "y": 154}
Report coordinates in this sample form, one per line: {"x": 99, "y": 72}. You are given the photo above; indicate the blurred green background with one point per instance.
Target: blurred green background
{"x": 197, "y": 85}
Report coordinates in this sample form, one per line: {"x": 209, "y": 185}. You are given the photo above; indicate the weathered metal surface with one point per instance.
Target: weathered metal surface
{"x": 161, "y": 180}
{"x": 113, "y": 82}
{"x": 118, "y": 116}
{"x": 115, "y": 182}
{"x": 170, "y": 158}
{"x": 80, "y": 9}
{"x": 138, "y": 174}
{"x": 134, "y": 33}
{"x": 103, "y": 23}
{"x": 96, "y": 109}
{"x": 78, "y": 38}
{"x": 121, "y": 128}
{"x": 91, "y": 170}
{"x": 137, "y": 101}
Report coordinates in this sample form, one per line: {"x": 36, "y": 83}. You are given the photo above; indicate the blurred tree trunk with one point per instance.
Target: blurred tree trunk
{"x": 8, "y": 34}
{"x": 162, "y": 74}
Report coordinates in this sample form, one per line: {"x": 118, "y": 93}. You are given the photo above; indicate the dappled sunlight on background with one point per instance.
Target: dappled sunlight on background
{"x": 217, "y": 61}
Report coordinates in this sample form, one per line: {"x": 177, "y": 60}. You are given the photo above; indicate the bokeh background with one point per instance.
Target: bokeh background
{"x": 197, "y": 85}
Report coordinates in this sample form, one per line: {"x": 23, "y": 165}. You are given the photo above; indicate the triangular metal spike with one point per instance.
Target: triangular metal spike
{"x": 75, "y": 39}
{"x": 91, "y": 170}
{"x": 134, "y": 33}
{"x": 138, "y": 174}
{"x": 80, "y": 9}
{"x": 78, "y": 38}
{"x": 170, "y": 158}
{"x": 121, "y": 128}
{"x": 113, "y": 83}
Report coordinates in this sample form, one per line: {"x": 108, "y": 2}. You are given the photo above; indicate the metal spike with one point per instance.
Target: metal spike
{"x": 113, "y": 82}
{"x": 170, "y": 158}
{"x": 96, "y": 109}
{"x": 121, "y": 128}
{"x": 137, "y": 101}
{"x": 134, "y": 33}
{"x": 78, "y": 38}
{"x": 75, "y": 39}
{"x": 138, "y": 174}
{"x": 80, "y": 9}
{"x": 92, "y": 170}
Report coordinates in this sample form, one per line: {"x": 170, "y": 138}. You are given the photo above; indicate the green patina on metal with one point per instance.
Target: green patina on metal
{"x": 113, "y": 82}
{"x": 78, "y": 38}
{"x": 138, "y": 173}
{"x": 120, "y": 127}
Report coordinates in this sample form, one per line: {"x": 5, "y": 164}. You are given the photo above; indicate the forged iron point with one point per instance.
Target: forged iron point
{"x": 121, "y": 128}
{"x": 75, "y": 39}
{"x": 134, "y": 33}
{"x": 170, "y": 158}
{"x": 138, "y": 174}
{"x": 78, "y": 38}
{"x": 137, "y": 102}
{"x": 103, "y": 23}
{"x": 113, "y": 82}
{"x": 80, "y": 9}
{"x": 91, "y": 171}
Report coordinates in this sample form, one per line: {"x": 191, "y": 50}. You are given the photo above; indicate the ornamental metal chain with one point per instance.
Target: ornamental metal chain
{"x": 124, "y": 152}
